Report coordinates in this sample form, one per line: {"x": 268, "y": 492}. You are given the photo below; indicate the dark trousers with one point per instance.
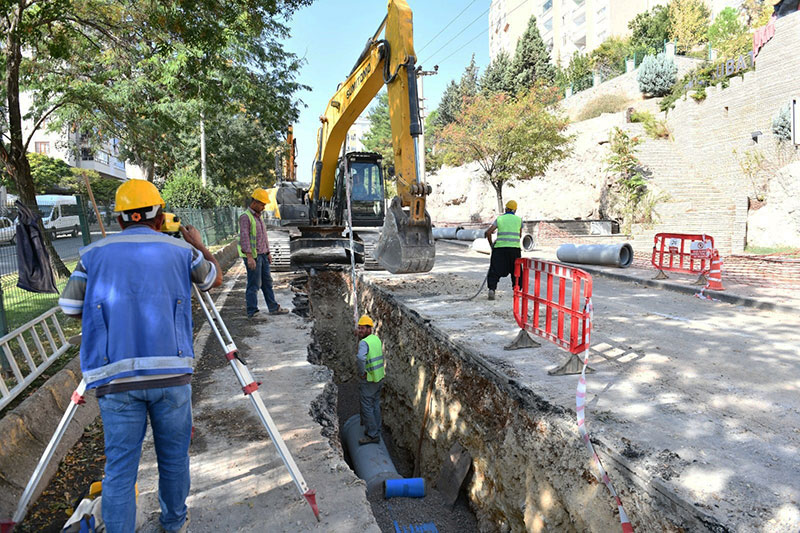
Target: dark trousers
{"x": 501, "y": 265}
{"x": 370, "y": 399}
{"x": 259, "y": 279}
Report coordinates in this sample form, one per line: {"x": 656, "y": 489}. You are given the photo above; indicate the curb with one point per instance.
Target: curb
{"x": 745, "y": 301}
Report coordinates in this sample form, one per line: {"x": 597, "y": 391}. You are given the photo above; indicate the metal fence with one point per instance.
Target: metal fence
{"x": 18, "y": 306}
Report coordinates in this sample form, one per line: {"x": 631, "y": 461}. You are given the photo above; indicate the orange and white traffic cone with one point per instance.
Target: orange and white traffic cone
{"x": 715, "y": 274}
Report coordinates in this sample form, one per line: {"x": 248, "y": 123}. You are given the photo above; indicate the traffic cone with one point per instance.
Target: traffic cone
{"x": 715, "y": 274}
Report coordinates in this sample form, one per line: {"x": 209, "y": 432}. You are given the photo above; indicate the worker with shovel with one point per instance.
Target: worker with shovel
{"x": 506, "y": 249}
{"x": 132, "y": 291}
{"x": 371, "y": 371}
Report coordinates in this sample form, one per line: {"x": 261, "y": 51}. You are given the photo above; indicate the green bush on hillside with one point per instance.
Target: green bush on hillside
{"x": 782, "y": 124}
{"x": 657, "y": 75}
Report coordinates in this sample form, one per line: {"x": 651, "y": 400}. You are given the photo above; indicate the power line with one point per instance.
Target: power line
{"x": 457, "y": 34}
{"x": 447, "y": 26}
{"x": 471, "y": 40}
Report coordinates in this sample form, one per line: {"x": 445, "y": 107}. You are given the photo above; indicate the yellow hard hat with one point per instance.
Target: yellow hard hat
{"x": 135, "y": 194}
{"x": 261, "y": 195}
{"x": 365, "y": 321}
{"x": 511, "y": 204}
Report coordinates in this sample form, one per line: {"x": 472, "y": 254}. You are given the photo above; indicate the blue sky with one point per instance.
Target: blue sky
{"x": 330, "y": 35}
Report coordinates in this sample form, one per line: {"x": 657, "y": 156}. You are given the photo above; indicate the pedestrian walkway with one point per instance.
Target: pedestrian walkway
{"x": 239, "y": 482}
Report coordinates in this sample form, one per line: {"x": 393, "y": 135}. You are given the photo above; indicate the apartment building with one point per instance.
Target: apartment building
{"x": 73, "y": 148}
{"x": 569, "y": 26}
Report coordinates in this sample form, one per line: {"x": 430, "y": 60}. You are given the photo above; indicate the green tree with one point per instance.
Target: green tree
{"x": 118, "y": 69}
{"x": 497, "y": 76}
{"x": 454, "y": 94}
{"x": 756, "y": 12}
{"x": 531, "y": 61}
{"x": 650, "y": 29}
{"x": 609, "y": 58}
{"x": 578, "y": 74}
{"x": 727, "y": 34}
{"x": 46, "y": 173}
{"x": 379, "y": 136}
{"x": 184, "y": 190}
{"x": 688, "y": 23}
{"x": 630, "y": 183}
{"x": 510, "y": 138}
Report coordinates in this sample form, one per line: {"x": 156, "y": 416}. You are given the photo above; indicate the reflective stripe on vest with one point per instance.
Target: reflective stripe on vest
{"x": 508, "y": 231}
{"x": 374, "y": 364}
{"x": 253, "y": 250}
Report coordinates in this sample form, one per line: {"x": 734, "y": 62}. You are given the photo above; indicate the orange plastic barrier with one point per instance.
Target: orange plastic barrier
{"x": 680, "y": 252}
{"x": 550, "y": 302}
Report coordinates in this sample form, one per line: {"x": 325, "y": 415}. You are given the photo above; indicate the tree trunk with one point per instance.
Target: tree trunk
{"x": 498, "y": 189}
{"x": 17, "y": 163}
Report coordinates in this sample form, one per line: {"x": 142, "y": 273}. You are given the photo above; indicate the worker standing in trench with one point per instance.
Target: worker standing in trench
{"x": 132, "y": 292}
{"x": 371, "y": 371}
{"x": 506, "y": 249}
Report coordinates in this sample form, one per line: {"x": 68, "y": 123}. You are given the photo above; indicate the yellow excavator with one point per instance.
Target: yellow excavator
{"x": 320, "y": 212}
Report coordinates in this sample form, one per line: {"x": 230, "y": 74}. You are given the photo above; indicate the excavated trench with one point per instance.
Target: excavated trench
{"x": 527, "y": 470}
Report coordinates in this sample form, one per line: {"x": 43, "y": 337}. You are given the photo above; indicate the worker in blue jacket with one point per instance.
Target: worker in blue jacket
{"x": 132, "y": 291}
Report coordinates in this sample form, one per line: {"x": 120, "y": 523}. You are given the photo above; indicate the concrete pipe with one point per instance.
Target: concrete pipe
{"x": 618, "y": 255}
{"x": 446, "y": 233}
{"x": 371, "y": 462}
{"x": 528, "y": 242}
{"x": 470, "y": 234}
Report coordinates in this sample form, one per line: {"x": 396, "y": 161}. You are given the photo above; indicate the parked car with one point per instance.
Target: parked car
{"x": 8, "y": 231}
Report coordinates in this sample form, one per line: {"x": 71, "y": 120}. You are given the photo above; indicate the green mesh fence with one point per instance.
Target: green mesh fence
{"x": 18, "y": 306}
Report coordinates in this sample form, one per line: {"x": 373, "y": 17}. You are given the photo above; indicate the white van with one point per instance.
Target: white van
{"x": 59, "y": 214}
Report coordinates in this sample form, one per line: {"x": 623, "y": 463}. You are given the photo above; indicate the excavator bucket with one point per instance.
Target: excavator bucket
{"x": 404, "y": 248}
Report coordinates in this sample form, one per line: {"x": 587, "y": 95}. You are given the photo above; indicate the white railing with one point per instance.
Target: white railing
{"x": 24, "y": 365}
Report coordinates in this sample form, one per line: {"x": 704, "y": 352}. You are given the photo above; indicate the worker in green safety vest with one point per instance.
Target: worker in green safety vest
{"x": 506, "y": 249}
{"x": 371, "y": 371}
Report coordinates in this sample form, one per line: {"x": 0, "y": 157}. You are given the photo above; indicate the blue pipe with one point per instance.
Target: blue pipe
{"x": 404, "y": 488}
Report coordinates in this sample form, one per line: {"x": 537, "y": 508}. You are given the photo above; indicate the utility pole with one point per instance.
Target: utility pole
{"x": 203, "y": 178}
{"x": 423, "y": 114}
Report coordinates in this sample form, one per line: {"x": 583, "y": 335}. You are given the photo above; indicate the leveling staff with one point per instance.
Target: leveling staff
{"x": 133, "y": 293}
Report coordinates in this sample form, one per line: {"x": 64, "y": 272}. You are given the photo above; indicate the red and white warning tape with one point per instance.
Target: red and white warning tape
{"x": 580, "y": 408}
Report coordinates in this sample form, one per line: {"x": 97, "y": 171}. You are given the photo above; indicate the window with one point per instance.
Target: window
{"x": 42, "y": 147}
{"x": 101, "y": 157}
{"x": 86, "y": 154}
{"x": 580, "y": 19}
{"x": 548, "y": 24}
{"x": 547, "y": 6}
{"x": 601, "y": 12}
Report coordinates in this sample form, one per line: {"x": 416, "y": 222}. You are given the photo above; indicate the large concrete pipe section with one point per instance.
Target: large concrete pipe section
{"x": 470, "y": 234}
{"x": 446, "y": 233}
{"x": 618, "y": 255}
{"x": 371, "y": 462}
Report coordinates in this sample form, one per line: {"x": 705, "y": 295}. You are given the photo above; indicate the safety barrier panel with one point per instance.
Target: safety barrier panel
{"x": 554, "y": 301}
{"x": 550, "y": 302}
{"x": 680, "y": 252}
{"x": 20, "y": 365}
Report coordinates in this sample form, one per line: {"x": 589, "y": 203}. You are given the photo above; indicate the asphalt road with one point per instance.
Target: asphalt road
{"x": 67, "y": 248}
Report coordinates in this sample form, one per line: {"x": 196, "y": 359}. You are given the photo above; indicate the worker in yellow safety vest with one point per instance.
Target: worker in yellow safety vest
{"x": 254, "y": 251}
{"x": 371, "y": 371}
{"x": 506, "y": 249}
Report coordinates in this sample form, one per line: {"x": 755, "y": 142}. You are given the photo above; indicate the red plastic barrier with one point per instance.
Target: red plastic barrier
{"x": 680, "y": 252}
{"x": 550, "y": 302}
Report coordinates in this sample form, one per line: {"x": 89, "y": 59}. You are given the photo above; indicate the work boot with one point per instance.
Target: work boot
{"x": 256, "y": 317}
{"x": 368, "y": 440}
{"x": 279, "y": 311}
{"x": 491, "y": 294}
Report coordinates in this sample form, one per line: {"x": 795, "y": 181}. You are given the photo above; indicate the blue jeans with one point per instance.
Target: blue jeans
{"x": 259, "y": 278}
{"x": 124, "y": 423}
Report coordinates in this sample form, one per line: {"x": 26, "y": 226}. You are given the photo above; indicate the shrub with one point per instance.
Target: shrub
{"x": 657, "y": 75}
{"x": 782, "y": 124}
{"x": 607, "y": 103}
{"x": 609, "y": 58}
{"x": 578, "y": 74}
{"x": 699, "y": 94}
{"x": 184, "y": 189}
{"x": 657, "y": 129}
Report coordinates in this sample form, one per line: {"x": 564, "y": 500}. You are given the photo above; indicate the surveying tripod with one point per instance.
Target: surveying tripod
{"x": 249, "y": 386}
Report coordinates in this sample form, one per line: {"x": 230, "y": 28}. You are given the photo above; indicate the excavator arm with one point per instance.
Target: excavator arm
{"x": 406, "y": 243}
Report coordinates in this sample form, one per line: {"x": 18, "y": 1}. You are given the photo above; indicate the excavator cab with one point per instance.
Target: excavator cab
{"x": 368, "y": 191}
